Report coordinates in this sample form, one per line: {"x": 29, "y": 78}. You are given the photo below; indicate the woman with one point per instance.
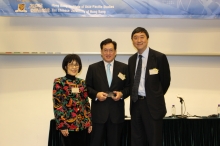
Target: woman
{"x": 71, "y": 105}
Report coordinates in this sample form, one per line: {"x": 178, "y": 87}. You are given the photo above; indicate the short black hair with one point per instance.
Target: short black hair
{"x": 107, "y": 41}
{"x": 139, "y": 29}
{"x": 69, "y": 58}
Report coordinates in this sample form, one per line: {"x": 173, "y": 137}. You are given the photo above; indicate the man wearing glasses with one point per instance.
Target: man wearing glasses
{"x": 108, "y": 86}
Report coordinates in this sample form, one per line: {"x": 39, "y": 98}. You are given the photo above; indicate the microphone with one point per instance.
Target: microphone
{"x": 181, "y": 101}
{"x": 180, "y": 98}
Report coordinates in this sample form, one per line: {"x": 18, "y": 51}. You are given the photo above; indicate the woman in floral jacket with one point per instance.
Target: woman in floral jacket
{"x": 71, "y": 105}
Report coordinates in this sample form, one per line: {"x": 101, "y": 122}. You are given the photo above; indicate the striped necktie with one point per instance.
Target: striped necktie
{"x": 134, "y": 95}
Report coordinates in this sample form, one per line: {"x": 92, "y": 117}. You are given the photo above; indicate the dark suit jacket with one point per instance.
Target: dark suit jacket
{"x": 96, "y": 81}
{"x": 155, "y": 85}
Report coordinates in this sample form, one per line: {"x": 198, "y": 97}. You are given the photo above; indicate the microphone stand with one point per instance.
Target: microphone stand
{"x": 181, "y": 101}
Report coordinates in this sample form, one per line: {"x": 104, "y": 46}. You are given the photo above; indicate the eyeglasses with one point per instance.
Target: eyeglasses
{"x": 73, "y": 65}
{"x": 105, "y": 51}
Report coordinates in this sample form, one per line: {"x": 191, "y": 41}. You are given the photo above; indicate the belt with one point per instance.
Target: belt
{"x": 141, "y": 97}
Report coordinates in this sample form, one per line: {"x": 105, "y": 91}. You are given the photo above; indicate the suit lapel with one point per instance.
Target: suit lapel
{"x": 116, "y": 70}
{"x": 150, "y": 62}
{"x": 102, "y": 72}
{"x": 133, "y": 65}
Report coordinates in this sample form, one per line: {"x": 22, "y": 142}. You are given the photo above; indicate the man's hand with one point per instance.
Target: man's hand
{"x": 101, "y": 96}
{"x": 118, "y": 95}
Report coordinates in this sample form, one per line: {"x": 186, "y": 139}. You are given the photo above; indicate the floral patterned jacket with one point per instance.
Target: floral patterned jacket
{"x": 71, "y": 105}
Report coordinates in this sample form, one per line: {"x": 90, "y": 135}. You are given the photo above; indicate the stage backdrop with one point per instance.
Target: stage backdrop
{"x": 112, "y": 8}
{"x": 37, "y": 35}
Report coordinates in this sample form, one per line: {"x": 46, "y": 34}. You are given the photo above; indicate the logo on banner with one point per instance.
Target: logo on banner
{"x": 21, "y": 8}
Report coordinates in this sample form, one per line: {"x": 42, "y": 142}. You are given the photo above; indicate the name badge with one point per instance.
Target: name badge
{"x": 153, "y": 71}
{"x": 75, "y": 90}
{"x": 121, "y": 76}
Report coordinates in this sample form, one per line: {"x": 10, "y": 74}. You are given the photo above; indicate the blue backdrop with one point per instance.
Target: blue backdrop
{"x": 207, "y": 9}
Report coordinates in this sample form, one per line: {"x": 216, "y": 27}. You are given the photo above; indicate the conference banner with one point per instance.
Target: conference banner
{"x": 201, "y": 9}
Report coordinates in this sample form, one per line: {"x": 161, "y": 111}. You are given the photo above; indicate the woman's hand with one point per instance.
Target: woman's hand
{"x": 65, "y": 132}
{"x": 90, "y": 129}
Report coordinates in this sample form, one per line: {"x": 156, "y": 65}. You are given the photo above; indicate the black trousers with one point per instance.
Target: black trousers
{"x": 144, "y": 129}
{"x": 107, "y": 132}
{"x": 75, "y": 138}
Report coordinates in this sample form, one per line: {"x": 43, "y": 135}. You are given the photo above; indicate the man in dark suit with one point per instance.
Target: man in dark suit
{"x": 107, "y": 95}
{"x": 148, "y": 87}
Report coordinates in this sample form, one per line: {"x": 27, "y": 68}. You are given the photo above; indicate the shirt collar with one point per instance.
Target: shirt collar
{"x": 145, "y": 53}
{"x": 108, "y": 63}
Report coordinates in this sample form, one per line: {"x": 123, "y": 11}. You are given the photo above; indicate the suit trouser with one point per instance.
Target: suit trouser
{"x": 109, "y": 131}
{"x": 144, "y": 129}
